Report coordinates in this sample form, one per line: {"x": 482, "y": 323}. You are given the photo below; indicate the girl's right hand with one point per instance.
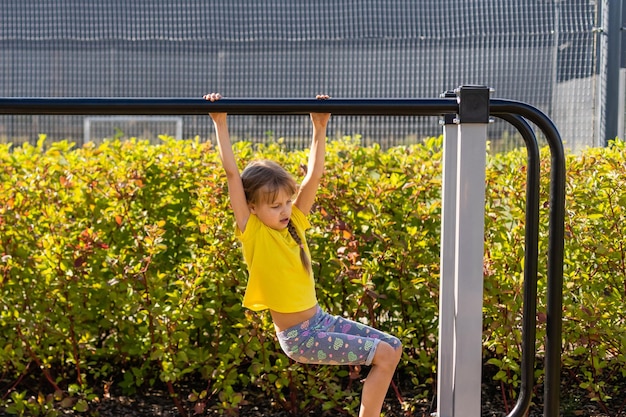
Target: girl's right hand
{"x": 320, "y": 119}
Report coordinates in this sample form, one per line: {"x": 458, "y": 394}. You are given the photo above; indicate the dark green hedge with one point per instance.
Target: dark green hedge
{"x": 120, "y": 271}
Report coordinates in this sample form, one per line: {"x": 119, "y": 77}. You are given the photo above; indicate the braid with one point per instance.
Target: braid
{"x": 306, "y": 262}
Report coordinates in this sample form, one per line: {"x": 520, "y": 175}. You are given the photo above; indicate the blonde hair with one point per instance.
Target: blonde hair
{"x": 262, "y": 181}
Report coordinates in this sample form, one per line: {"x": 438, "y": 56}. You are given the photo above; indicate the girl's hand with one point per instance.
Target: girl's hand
{"x": 212, "y": 96}
{"x": 320, "y": 119}
{"x": 217, "y": 117}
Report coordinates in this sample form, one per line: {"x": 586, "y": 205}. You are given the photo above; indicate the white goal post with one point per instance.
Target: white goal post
{"x": 156, "y": 125}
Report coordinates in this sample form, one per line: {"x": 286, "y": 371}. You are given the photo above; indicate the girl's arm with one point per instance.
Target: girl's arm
{"x": 235, "y": 186}
{"x": 306, "y": 195}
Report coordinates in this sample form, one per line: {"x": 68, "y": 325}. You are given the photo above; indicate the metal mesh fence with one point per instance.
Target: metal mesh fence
{"x": 540, "y": 52}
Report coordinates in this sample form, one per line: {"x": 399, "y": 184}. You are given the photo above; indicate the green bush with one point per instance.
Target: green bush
{"x": 120, "y": 271}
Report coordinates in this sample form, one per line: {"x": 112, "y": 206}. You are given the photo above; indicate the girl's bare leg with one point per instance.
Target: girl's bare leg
{"x": 377, "y": 382}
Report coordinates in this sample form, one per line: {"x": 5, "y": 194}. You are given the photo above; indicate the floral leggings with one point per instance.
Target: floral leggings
{"x": 332, "y": 340}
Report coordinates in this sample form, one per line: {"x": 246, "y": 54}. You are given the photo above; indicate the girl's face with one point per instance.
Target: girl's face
{"x": 276, "y": 213}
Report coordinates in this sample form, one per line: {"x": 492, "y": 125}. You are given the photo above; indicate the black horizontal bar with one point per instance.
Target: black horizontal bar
{"x": 247, "y": 106}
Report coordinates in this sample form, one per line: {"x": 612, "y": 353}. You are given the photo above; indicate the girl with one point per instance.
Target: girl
{"x": 270, "y": 213}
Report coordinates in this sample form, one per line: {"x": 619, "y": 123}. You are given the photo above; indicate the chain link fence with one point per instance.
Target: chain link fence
{"x": 547, "y": 53}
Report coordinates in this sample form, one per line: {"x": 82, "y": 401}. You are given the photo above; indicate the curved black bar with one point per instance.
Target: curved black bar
{"x": 531, "y": 255}
{"x": 247, "y": 106}
{"x": 554, "y": 304}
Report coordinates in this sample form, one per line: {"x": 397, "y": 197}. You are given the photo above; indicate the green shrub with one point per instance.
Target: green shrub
{"x": 595, "y": 271}
{"x": 119, "y": 267}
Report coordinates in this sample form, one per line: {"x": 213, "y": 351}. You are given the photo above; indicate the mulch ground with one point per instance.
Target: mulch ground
{"x": 157, "y": 403}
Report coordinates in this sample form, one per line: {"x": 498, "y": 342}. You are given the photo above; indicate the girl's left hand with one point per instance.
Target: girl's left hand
{"x": 320, "y": 118}
{"x": 212, "y": 96}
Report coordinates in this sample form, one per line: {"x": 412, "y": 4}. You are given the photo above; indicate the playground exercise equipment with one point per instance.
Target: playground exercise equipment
{"x": 466, "y": 113}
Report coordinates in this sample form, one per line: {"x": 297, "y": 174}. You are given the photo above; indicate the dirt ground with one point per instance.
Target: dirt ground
{"x": 156, "y": 403}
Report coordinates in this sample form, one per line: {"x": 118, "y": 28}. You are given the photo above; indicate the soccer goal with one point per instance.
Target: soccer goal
{"x": 98, "y": 128}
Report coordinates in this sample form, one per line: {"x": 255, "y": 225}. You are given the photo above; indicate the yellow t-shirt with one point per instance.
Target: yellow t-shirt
{"x": 276, "y": 277}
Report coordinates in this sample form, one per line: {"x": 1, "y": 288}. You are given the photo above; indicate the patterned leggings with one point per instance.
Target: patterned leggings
{"x": 332, "y": 340}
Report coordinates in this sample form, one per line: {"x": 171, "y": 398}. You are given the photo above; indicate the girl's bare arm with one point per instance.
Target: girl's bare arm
{"x": 315, "y": 169}
{"x": 235, "y": 186}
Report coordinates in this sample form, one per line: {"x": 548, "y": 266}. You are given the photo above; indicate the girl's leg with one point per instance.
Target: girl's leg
{"x": 377, "y": 382}
{"x": 338, "y": 324}
{"x": 387, "y": 354}
{"x": 334, "y": 340}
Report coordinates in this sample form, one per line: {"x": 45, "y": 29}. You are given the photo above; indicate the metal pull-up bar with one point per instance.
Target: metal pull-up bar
{"x": 468, "y": 108}
{"x": 247, "y": 106}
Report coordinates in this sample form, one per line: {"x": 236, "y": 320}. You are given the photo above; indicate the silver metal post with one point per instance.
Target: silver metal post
{"x": 445, "y": 361}
{"x": 468, "y": 273}
{"x": 461, "y": 291}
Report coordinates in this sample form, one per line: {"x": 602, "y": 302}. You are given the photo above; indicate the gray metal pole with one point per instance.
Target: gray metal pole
{"x": 468, "y": 273}
{"x": 445, "y": 360}
{"x": 614, "y": 59}
{"x": 462, "y": 244}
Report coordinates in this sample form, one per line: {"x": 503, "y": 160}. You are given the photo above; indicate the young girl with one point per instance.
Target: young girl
{"x": 271, "y": 215}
